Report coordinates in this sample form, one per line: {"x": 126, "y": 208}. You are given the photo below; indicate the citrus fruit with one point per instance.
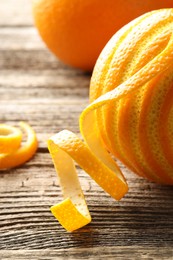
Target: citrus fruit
{"x": 130, "y": 116}
{"x": 12, "y": 151}
{"x": 136, "y": 125}
{"x": 76, "y": 31}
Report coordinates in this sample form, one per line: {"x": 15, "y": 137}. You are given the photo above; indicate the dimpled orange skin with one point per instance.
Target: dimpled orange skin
{"x": 76, "y": 31}
{"x": 138, "y": 129}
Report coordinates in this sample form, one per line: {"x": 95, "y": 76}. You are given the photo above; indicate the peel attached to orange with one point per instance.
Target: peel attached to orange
{"x": 130, "y": 115}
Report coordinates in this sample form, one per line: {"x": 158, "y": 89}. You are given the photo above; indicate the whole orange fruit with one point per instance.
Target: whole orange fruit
{"x": 76, "y": 31}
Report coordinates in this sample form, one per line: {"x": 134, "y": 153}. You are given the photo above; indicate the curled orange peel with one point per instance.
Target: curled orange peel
{"x": 65, "y": 147}
{"x": 12, "y": 152}
{"x": 92, "y": 155}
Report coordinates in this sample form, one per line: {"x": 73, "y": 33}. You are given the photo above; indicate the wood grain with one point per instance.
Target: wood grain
{"x": 131, "y": 252}
{"x": 16, "y": 13}
{"x": 36, "y": 87}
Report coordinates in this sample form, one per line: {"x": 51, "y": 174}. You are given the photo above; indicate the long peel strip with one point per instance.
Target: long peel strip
{"x": 92, "y": 155}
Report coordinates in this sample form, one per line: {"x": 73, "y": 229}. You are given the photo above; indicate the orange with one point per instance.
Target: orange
{"x": 130, "y": 116}
{"x": 136, "y": 126}
{"x": 76, "y": 31}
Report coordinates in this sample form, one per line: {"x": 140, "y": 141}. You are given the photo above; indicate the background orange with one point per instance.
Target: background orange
{"x": 76, "y": 31}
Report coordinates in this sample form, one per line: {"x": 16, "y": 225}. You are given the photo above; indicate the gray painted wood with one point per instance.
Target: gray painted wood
{"x": 38, "y": 88}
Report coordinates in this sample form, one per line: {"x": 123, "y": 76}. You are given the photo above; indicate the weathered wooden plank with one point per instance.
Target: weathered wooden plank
{"x": 22, "y": 85}
{"x": 120, "y": 253}
{"x": 47, "y": 117}
{"x": 36, "y": 87}
{"x": 20, "y": 38}
{"x": 24, "y": 60}
{"x": 15, "y": 13}
{"x": 37, "y": 229}
{"x": 143, "y": 217}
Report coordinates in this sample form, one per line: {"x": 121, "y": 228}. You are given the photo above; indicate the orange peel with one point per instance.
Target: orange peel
{"x": 65, "y": 147}
{"x": 12, "y": 152}
{"x": 150, "y": 38}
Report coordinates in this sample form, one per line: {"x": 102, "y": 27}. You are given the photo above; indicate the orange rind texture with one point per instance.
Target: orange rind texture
{"x": 135, "y": 74}
{"x": 65, "y": 147}
{"x": 69, "y": 216}
{"x": 76, "y": 31}
{"x": 130, "y": 114}
{"x": 12, "y": 152}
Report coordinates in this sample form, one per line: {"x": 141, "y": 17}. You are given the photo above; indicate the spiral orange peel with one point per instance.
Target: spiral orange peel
{"x": 137, "y": 59}
{"x": 12, "y": 152}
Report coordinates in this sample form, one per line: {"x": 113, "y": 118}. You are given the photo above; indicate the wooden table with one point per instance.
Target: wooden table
{"x": 37, "y": 88}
